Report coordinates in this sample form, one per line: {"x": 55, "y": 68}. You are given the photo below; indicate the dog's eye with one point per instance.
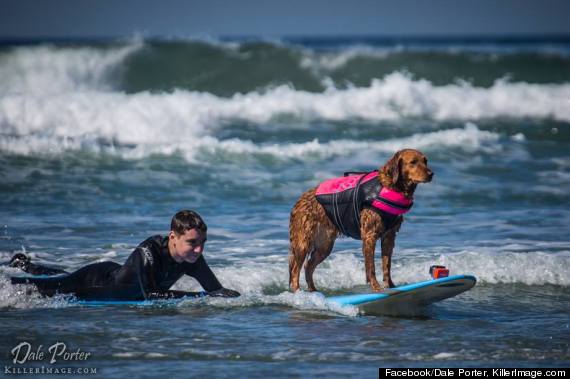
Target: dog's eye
{"x": 414, "y": 161}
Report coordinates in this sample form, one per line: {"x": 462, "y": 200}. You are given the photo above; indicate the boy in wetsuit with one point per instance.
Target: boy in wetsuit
{"x": 149, "y": 272}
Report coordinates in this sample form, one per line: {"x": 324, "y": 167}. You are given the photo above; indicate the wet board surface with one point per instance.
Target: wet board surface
{"x": 407, "y": 299}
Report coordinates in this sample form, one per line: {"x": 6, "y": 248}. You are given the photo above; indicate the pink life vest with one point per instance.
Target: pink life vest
{"x": 343, "y": 199}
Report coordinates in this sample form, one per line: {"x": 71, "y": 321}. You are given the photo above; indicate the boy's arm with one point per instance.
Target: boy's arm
{"x": 207, "y": 279}
{"x": 143, "y": 261}
{"x": 200, "y": 271}
{"x": 145, "y": 274}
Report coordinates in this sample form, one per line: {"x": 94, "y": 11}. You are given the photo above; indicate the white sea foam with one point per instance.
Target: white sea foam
{"x": 305, "y": 301}
{"x": 185, "y": 121}
{"x": 24, "y": 297}
{"x": 45, "y": 70}
{"x": 398, "y": 96}
{"x": 183, "y": 116}
{"x": 330, "y": 61}
{"x": 323, "y": 62}
{"x": 469, "y": 139}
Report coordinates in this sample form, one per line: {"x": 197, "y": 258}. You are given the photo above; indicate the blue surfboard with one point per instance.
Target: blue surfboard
{"x": 132, "y": 303}
{"x": 407, "y": 299}
{"x": 155, "y": 303}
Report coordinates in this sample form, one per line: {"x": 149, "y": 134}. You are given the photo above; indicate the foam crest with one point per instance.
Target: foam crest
{"x": 398, "y": 96}
{"x": 113, "y": 117}
{"x": 42, "y": 70}
{"x": 530, "y": 268}
{"x": 337, "y": 59}
{"x": 469, "y": 139}
{"x": 344, "y": 270}
{"x": 331, "y": 61}
{"x": 150, "y": 118}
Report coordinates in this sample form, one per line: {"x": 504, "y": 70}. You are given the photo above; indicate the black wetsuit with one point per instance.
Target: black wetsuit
{"x": 148, "y": 273}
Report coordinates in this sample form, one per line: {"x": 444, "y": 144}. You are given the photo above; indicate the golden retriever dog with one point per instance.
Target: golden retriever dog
{"x": 366, "y": 206}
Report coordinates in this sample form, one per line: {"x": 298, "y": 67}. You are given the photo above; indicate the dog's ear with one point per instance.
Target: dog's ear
{"x": 390, "y": 173}
{"x": 395, "y": 167}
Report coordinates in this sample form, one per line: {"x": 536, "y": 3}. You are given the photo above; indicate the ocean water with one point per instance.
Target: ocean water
{"x": 101, "y": 143}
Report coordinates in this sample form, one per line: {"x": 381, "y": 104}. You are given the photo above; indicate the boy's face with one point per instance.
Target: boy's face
{"x": 187, "y": 247}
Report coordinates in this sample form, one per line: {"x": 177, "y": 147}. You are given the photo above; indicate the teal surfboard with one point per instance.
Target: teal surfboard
{"x": 407, "y": 299}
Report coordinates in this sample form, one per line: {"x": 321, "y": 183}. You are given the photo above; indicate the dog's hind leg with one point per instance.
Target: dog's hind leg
{"x": 309, "y": 227}
{"x": 302, "y": 228}
{"x": 300, "y": 245}
{"x": 297, "y": 255}
{"x": 324, "y": 246}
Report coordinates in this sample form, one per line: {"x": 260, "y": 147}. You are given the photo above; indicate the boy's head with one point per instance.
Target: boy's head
{"x": 186, "y": 220}
{"x": 188, "y": 234}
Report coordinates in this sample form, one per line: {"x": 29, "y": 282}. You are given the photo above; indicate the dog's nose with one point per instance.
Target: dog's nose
{"x": 430, "y": 174}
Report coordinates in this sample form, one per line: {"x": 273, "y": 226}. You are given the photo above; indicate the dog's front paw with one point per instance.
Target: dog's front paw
{"x": 389, "y": 284}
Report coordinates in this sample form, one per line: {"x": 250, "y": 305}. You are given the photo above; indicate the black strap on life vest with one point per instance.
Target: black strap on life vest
{"x": 350, "y": 173}
{"x": 355, "y": 202}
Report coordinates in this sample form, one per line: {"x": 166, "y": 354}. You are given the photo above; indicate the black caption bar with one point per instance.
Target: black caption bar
{"x": 508, "y": 373}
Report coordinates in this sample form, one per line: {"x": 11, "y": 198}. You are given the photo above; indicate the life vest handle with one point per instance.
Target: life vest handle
{"x": 349, "y": 173}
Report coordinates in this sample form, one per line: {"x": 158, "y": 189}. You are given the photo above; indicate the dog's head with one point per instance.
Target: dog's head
{"x": 405, "y": 170}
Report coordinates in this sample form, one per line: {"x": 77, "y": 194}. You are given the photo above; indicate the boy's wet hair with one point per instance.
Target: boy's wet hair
{"x": 186, "y": 220}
